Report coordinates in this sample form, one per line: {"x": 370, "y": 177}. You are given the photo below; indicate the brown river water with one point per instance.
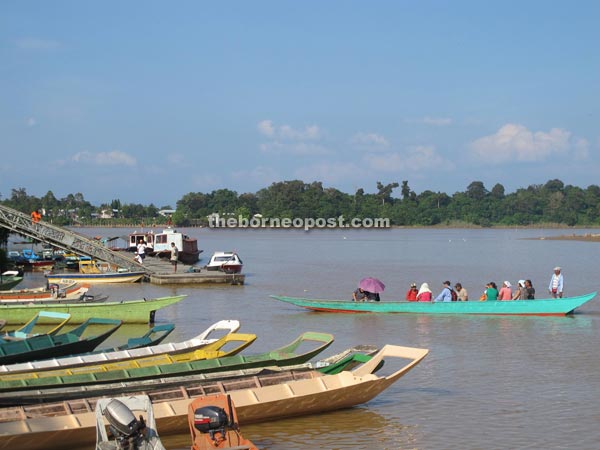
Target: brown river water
{"x": 488, "y": 382}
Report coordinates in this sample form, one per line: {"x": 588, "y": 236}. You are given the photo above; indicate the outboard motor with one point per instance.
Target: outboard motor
{"x": 127, "y": 430}
{"x": 210, "y": 419}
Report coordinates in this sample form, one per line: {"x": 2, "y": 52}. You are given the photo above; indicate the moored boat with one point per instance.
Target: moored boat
{"x": 91, "y": 271}
{"x": 49, "y": 427}
{"x": 71, "y": 342}
{"x": 187, "y": 246}
{"x": 129, "y": 311}
{"x": 213, "y": 423}
{"x": 542, "y": 307}
{"x": 135, "y": 348}
{"x": 126, "y": 430}
{"x": 228, "y": 262}
{"x": 164, "y": 366}
{"x": 69, "y": 291}
{"x": 35, "y": 325}
{"x": 9, "y": 281}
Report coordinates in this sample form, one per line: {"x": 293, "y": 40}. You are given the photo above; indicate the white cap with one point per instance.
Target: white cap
{"x": 557, "y": 268}
{"x": 521, "y": 282}
{"x": 507, "y": 283}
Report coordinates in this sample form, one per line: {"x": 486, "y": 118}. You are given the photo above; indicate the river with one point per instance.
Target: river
{"x": 488, "y": 382}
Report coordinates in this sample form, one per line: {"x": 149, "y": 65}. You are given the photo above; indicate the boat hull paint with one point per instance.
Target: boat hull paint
{"x": 542, "y": 307}
{"x": 119, "y": 277}
{"x": 129, "y": 311}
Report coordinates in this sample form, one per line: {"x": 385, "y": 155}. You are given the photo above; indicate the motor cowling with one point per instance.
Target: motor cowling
{"x": 210, "y": 418}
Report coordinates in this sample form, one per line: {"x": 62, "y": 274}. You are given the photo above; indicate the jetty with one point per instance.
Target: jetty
{"x": 158, "y": 271}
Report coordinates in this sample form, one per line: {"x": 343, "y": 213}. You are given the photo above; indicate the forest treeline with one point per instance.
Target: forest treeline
{"x": 549, "y": 203}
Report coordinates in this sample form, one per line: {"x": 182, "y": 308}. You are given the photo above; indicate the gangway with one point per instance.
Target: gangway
{"x": 60, "y": 237}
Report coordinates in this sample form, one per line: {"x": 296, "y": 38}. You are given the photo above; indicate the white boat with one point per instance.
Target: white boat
{"x": 228, "y": 262}
{"x": 126, "y": 431}
{"x": 187, "y": 246}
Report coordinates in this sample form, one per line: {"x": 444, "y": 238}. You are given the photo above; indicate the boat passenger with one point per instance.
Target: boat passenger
{"x": 359, "y": 295}
{"x": 463, "y": 296}
{"x": 556, "y": 284}
{"x": 411, "y": 294}
{"x": 530, "y": 290}
{"x": 491, "y": 292}
{"x": 446, "y": 294}
{"x": 505, "y": 292}
{"x": 372, "y": 296}
{"x": 520, "y": 293}
{"x": 424, "y": 294}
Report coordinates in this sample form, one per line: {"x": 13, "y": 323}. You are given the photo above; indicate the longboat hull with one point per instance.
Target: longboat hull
{"x": 109, "y": 277}
{"x": 296, "y": 398}
{"x": 129, "y": 311}
{"x": 542, "y": 307}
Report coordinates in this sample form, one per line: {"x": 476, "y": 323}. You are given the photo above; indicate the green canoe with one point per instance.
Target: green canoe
{"x": 129, "y": 311}
{"x": 543, "y": 307}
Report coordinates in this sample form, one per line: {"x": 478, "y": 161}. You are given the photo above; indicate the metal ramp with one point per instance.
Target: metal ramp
{"x": 67, "y": 240}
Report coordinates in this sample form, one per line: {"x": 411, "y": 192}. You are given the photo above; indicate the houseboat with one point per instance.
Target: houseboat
{"x": 187, "y": 246}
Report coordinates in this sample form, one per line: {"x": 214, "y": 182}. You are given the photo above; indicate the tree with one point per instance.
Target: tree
{"x": 385, "y": 191}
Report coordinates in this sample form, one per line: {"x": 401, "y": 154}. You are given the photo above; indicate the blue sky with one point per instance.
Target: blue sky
{"x": 146, "y": 101}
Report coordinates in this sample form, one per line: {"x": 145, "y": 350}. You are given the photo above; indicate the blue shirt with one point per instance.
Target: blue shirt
{"x": 559, "y": 282}
{"x": 445, "y": 296}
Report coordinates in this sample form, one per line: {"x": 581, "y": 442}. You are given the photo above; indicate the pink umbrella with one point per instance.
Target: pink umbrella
{"x": 371, "y": 285}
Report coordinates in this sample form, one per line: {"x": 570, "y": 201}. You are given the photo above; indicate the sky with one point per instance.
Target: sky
{"x": 146, "y": 101}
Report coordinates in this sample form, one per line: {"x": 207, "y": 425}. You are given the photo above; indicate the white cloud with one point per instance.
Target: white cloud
{"x": 415, "y": 159}
{"x": 370, "y": 140}
{"x": 30, "y": 43}
{"x": 286, "y": 132}
{"x": 260, "y": 175}
{"x": 31, "y": 122}
{"x": 114, "y": 158}
{"x": 515, "y": 142}
{"x": 266, "y": 127}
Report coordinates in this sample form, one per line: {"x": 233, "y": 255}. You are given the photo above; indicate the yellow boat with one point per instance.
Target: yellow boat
{"x": 210, "y": 351}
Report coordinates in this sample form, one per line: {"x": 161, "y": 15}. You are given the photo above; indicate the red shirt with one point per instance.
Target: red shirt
{"x": 411, "y": 295}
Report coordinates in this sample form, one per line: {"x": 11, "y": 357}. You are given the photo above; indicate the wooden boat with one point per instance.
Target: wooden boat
{"x": 35, "y": 325}
{"x": 346, "y": 360}
{"x": 126, "y": 431}
{"x": 109, "y": 371}
{"x": 213, "y": 423}
{"x": 45, "y": 346}
{"x": 129, "y": 311}
{"x": 135, "y": 348}
{"x": 69, "y": 291}
{"x": 545, "y": 307}
{"x": 165, "y": 366}
{"x": 258, "y": 399}
{"x": 187, "y": 246}
{"x": 91, "y": 271}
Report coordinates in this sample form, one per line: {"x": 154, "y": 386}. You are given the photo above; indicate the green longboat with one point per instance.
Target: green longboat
{"x": 77, "y": 340}
{"x": 283, "y": 356}
{"x": 9, "y": 281}
{"x": 129, "y": 311}
{"x": 542, "y": 307}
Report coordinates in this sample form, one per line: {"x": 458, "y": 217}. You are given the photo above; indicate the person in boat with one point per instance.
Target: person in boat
{"x": 520, "y": 293}
{"x": 530, "y": 290}
{"x": 373, "y": 296}
{"x": 424, "y": 294}
{"x": 411, "y": 294}
{"x": 505, "y": 291}
{"x": 359, "y": 295}
{"x": 446, "y": 294}
{"x": 461, "y": 292}
{"x": 491, "y": 292}
{"x": 174, "y": 256}
{"x": 556, "y": 284}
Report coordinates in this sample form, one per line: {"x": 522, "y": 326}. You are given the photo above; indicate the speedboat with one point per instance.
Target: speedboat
{"x": 228, "y": 262}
